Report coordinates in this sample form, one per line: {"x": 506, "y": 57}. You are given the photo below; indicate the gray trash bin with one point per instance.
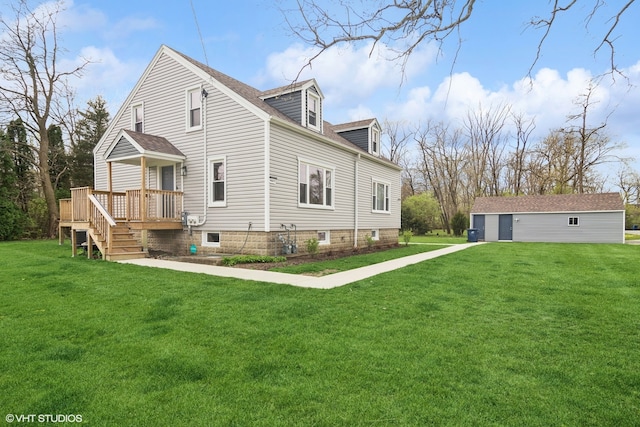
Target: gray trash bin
{"x": 472, "y": 235}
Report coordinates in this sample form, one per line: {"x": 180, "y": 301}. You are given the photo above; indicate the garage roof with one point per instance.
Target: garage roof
{"x": 549, "y": 203}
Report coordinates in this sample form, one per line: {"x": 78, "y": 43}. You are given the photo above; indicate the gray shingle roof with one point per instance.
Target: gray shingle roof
{"x": 255, "y": 97}
{"x": 156, "y": 144}
{"x": 549, "y": 203}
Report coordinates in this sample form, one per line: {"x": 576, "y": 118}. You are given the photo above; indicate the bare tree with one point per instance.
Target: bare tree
{"x": 406, "y": 24}
{"x": 398, "y": 138}
{"x": 32, "y": 85}
{"x": 441, "y": 161}
{"x": 517, "y": 163}
{"x": 486, "y": 142}
{"x": 594, "y": 147}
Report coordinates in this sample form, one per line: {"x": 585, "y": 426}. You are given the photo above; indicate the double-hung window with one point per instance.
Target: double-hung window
{"x": 137, "y": 117}
{"x": 194, "y": 109}
{"x": 375, "y": 141}
{"x": 313, "y": 111}
{"x": 315, "y": 187}
{"x": 217, "y": 182}
{"x": 380, "y": 197}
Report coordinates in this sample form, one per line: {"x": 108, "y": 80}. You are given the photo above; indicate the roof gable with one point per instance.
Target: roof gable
{"x": 130, "y": 146}
{"x": 549, "y": 203}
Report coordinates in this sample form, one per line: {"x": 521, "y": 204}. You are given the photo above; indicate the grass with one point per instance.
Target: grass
{"x": 631, "y": 236}
{"x": 355, "y": 261}
{"x": 498, "y": 334}
{"x": 438, "y": 236}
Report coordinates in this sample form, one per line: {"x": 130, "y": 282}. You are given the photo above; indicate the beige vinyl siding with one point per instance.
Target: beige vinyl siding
{"x": 231, "y": 131}
{"x": 594, "y": 227}
{"x": 238, "y": 135}
{"x": 286, "y": 147}
{"x": 369, "y": 171}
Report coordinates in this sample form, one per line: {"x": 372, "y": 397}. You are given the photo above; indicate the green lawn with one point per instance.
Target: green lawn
{"x": 498, "y": 334}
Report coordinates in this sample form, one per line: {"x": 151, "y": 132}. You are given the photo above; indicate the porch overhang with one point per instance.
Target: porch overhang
{"x": 131, "y": 147}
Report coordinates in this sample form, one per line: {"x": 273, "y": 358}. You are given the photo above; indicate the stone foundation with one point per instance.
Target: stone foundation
{"x": 178, "y": 242}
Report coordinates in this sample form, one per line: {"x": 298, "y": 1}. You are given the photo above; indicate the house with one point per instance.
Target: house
{"x": 570, "y": 218}
{"x": 196, "y": 160}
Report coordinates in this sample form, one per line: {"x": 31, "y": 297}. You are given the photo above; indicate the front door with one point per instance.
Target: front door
{"x": 167, "y": 178}
{"x": 478, "y": 222}
{"x": 505, "y": 227}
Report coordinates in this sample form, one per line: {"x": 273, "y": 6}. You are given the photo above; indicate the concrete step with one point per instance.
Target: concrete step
{"x": 125, "y": 255}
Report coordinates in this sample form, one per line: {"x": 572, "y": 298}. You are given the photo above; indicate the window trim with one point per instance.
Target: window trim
{"x": 573, "y": 221}
{"x": 134, "y": 107}
{"x": 327, "y": 237}
{"x": 205, "y": 240}
{"x": 211, "y": 202}
{"x": 374, "y": 193}
{"x": 326, "y": 168}
{"x": 311, "y": 95}
{"x": 188, "y": 92}
{"x": 375, "y": 141}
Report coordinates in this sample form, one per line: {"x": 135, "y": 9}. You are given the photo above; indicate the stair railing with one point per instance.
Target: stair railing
{"x": 101, "y": 220}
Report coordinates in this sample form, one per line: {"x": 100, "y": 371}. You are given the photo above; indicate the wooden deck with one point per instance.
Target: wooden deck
{"x": 109, "y": 218}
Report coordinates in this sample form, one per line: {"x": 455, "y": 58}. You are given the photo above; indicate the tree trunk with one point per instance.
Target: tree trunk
{"x": 47, "y": 187}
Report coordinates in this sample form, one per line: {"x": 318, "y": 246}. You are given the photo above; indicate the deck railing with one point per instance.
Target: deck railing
{"x": 66, "y": 208}
{"x": 159, "y": 205}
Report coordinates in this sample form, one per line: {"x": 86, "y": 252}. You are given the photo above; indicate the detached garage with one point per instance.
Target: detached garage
{"x": 569, "y": 218}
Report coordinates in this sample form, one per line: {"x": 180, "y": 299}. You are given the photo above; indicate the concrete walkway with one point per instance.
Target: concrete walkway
{"x": 325, "y": 282}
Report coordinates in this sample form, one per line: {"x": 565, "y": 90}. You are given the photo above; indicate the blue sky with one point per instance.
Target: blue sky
{"x": 249, "y": 40}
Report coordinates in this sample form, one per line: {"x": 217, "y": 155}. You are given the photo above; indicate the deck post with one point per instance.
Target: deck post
{"x": 143, "y": 189}
{"x": 110, "y": 189}
{"x": 74, "y": 243}
{"x": 143, "y": 200}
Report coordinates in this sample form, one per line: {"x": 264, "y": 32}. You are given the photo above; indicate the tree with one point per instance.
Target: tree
{"x": 12, "y": 218}
{"x": 407, "y": 24}
{"x": 23, "y": 160}
{"x": 88, "y": 131}
{"x": 441, "y": 160}
{"x": 420, "y": 213}
{"x": 58, "y": 163}
{"x": 459, "y": 223}
{"x": 33, "y": 86}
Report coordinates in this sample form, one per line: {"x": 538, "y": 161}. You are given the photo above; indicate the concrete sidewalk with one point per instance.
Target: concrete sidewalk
{"x": 325, "y": 282}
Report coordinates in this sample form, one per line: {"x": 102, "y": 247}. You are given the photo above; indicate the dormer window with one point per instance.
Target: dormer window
{"x": 137, "y": 117}
{"x": 375, "y": 141}
{"x": 313, "y": 111}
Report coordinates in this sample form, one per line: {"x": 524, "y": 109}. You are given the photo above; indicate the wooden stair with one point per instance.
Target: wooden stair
{"x": 123, "y": 245}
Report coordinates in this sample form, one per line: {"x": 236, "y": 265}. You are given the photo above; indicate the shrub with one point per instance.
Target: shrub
{"x": 312, "y": 245}
{"x": 406, "y": 236}
{"x": 251, "y": 259}
{"x": 370, "y": 241}
{"x": 459, "y": 223}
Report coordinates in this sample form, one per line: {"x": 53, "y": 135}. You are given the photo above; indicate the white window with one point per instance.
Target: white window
{"x": 137, "y": 118}
{"x": 315, "y": 185}
{"x": 375, "y": 235}
{"x": 375, "y": 141}
{"x": 313, "y": 111}
{"x": 217, "y": 182}
{"x": 573, "y": 221}
{"x": 323, "y": 237}
{"x": 194, "y": 109}
{"x": 380, "y": 197}
{"x": 211, "y": 239}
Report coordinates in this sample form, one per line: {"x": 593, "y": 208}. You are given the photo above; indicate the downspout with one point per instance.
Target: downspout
{"x": 355, "y": 203}
{"x": 205, "y": 181}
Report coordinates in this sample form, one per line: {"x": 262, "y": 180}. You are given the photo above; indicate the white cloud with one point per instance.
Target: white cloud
{"x": 347, "y": 73}
{"x": 106, "y": 75}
